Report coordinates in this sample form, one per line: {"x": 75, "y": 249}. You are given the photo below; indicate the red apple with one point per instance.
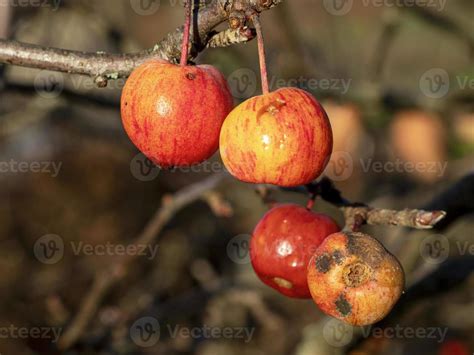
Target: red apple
{"x": 174, "y": 113}
{"x": 282, "y": 244}
{"x": 282, "y": 138}
{"x": 352, "y": 277}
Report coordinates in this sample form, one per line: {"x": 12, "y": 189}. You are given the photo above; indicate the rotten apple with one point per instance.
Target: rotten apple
{"x": 352, "y": 277}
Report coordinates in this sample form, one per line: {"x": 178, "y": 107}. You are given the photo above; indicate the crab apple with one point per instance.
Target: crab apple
{"x": 173, "y": 113}
{"x": 282, "y": 138}
{"x": 283, "y": 243}
{"x": 352, "y": 277}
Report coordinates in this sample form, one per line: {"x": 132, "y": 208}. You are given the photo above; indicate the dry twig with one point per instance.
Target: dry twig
{"x": 358, "y": 214}
{"x": 106, "y": 279}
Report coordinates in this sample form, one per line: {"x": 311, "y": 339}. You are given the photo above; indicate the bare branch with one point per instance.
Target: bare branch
{"x": 419, "y": 219}
{"x": 111, "y": 66}
{"x": 107, "y": 66}
{"x": 358, "y": 214}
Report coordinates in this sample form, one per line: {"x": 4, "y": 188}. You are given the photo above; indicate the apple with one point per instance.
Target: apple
{"x": 352, "y": 277}
{"x": 282, "y": 138}
{"x": 282, "y": 244}
{"x": 174, "y": 113}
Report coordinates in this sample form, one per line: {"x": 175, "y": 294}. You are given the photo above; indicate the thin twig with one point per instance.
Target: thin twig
{"x": 106, "y": 279}
{"x": 219, "y": 206}
{"x": 412, "y": 218}
{"x": 358, "y": 214}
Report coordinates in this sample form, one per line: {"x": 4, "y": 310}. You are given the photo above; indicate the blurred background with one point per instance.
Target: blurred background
{"x": 397, "y": 82}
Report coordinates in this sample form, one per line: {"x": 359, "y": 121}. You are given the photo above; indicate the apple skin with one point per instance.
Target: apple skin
{"x": 282, "y": 138}
{"x": 173, "y": 114}
{"x": 282, "y": 245}
{"x": 352, "y": 277}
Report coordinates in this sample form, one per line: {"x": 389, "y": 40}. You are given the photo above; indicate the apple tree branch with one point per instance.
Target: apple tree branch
{"x": 105, "y": 66}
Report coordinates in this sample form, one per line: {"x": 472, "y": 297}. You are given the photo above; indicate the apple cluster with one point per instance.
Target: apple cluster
{"x": 303, "y": 254}
{"x": 180, "y": 115}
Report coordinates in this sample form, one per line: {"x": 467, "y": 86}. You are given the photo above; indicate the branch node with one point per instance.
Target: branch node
{"x": 427, "y": 219}
{"x": 230, "y": 37}
{"x": 237, "y": 19}
{"x": 101, "y": 81}
{"x": 355, "y": 217}
{"x": 219, "y": 206}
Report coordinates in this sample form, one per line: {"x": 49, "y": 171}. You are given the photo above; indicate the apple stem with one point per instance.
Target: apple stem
{"x": 311, "y": 202}
{"x": 261, "y": 54}
{"x": 186, "y": 34}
